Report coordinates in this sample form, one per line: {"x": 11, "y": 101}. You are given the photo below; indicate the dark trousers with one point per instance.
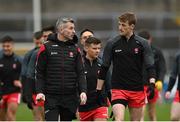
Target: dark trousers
{"x": 57, "y": 113}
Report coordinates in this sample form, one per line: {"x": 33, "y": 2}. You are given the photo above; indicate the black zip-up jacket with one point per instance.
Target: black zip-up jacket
{"x": 127, "y": 57}
{"x": 175, "y": 72}
{"x": 10, "y": 69}
{"x": 159, "y": 63}
{"x": 59, "y": 69}
{"x": 91, "y": 71}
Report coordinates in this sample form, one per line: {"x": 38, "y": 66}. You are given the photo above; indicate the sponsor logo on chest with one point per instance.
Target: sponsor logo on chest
{"x": 54, "y": 53}
{"x": 118, "y": 50}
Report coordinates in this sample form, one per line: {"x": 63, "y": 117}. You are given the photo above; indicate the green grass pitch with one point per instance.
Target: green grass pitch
{"x": 163, "y": 113}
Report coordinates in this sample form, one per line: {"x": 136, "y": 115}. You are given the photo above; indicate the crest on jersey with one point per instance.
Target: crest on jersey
{"x": 71, "y": 54}
{"x": 14, "y": 66}
{"x": 136, "y": 50}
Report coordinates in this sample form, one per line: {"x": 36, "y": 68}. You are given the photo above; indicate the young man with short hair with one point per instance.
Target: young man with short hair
{"x": 10, "y": 69}
{"x": 95, "y": 109}
{"x": 127, "y": 52}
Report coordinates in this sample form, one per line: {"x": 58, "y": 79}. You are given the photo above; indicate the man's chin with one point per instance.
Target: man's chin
{"x": 121, "y": 34}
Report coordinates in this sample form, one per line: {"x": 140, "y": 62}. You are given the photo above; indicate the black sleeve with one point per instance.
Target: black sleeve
{"x": 173, "y": 74}
{"x": 106, "y": 60}
{"x": 82, "y": 83}
{"x": 149, "y": 60}
{"x": 161, "y": 66}
{"x": 40, "y": 69}
{"x": 108, "y": 80}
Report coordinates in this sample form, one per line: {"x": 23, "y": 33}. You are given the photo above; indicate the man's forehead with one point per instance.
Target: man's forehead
{"x": 87, "y": 33}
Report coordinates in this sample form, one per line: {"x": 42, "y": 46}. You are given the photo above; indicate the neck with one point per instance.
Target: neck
{"x": 61, "y": 37}
{"x": 129, "y": 35}
{"x": 90, "y": 58}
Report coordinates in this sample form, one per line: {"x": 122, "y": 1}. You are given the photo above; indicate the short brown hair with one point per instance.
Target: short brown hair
{"x": 92, "y": 40}
{"x": 128, "y": 16}
{"x": 7, "y": 39}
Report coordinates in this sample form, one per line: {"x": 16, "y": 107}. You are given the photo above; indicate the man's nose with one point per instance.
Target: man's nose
{"x": 74, "y": 31}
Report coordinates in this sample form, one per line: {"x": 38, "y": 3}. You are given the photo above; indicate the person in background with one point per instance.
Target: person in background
{"x": 127, "y": 52}
{"x": 175, "y": 73}
{"x": 84, "y": 35}
{"x": 36, "y": 107}
{"x": 160, "y": 67}
{"x": 45, "y": 31}
{"x": 48, "y": 30}
{"x": 10, "y": 69}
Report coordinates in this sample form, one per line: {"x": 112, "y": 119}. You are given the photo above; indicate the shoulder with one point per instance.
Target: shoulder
{"x": 99, "y": 60}
{"x": 18, "y": 58}
{"x": 140, "y": 40}
{"x": 157, "y": 49}
{"x": 113, "y": 40}
{"x": 34, "y": 54}
{"x": 28, "y": 54}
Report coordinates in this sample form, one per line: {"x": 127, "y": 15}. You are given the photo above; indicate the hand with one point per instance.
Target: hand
{"x": 40, "y": 97}
{"x": 101, "y": 98}
{"x": 83, "y": 98}
{"x": 167, "y": 95}
{"x": 150, "y": 91}
{"x": 17, "y": 83}
{"x": 159, "y": 85}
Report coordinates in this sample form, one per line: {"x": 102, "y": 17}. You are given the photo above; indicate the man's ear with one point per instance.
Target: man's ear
{"x": 132, "y": 26}
{"x": 86, "y": 48}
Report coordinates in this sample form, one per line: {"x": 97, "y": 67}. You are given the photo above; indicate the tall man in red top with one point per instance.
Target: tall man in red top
{"x": 127, "y": 52}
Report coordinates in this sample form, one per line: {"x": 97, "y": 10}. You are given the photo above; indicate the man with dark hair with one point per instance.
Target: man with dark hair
{"x": 10, "y": 69}
{"x": 47, "y": 31}
{"x": 160, "y": 67}
{"x": 94, "y": 109}
{"x": 84, "y": 35}
{"x": 60, "y": 73}
{"x": 127, "y": 52}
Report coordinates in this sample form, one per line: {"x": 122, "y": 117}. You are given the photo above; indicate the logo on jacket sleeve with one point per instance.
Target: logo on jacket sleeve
{"x": 71, "y": 54}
